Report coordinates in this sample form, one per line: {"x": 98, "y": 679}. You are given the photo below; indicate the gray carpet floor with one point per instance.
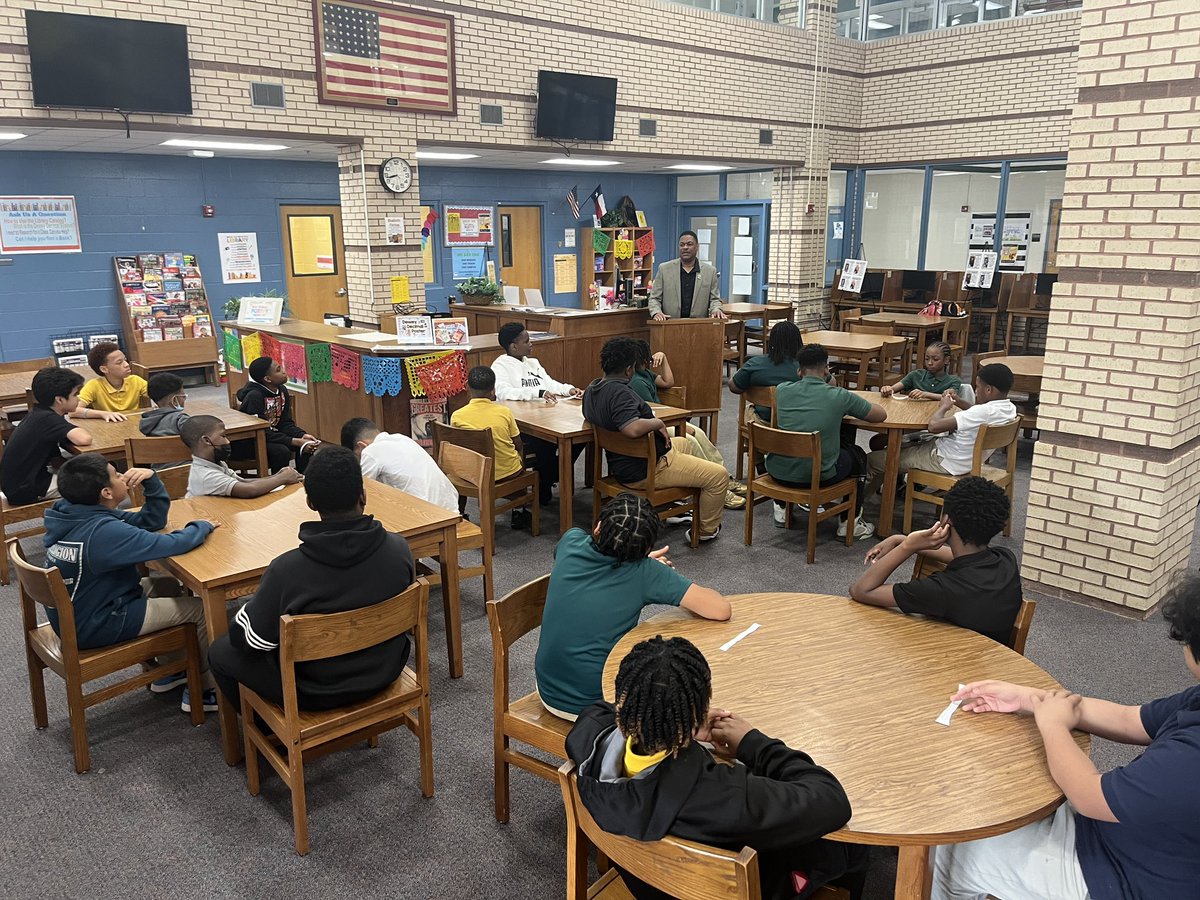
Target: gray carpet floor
{"x": 161, "y": 814}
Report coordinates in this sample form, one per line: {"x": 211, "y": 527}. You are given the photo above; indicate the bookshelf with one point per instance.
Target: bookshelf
{"x": 608, "y": 272}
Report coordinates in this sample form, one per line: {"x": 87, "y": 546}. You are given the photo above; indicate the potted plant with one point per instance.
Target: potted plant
{"x": 479, "y": 291}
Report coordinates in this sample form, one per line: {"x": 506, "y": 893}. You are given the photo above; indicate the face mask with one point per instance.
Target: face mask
{"x": 179, "y": 406}
{"x": 223, "y": 454}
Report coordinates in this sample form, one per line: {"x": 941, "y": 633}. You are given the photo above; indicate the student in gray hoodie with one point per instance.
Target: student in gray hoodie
{"x": 167, "y": 416}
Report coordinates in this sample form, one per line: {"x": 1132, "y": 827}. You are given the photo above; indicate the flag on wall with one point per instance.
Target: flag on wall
{"x": 597, "y": 197}
{"x": 573, "y": 200}
{"x": 369, "y": 55}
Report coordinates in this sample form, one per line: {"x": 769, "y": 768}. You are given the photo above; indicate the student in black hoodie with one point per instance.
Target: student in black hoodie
{"x": 644, "y": 774}
{"x": 265, "y": 395}
{"x": 345, "y": 561}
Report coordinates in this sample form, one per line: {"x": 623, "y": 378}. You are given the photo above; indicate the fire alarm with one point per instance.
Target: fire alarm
{"x": 812, "y": 208}
{"x": 207, "y": 211}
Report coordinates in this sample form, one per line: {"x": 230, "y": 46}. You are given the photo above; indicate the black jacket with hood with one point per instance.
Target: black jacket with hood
{"x": 274, "y": 405}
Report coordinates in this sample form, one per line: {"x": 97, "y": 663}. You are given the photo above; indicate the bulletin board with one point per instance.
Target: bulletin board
{"x": 468, "y": 226}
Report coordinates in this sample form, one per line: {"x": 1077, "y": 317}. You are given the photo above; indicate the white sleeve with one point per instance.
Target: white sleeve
{"x": 548, "y": 383}
{"x": 508, "y": 380}
{"x": 371, "y": 467}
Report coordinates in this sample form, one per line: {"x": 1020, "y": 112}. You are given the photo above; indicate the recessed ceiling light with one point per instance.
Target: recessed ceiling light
{"x": 202, "y": 154}
{"x": 221, "y": 145}
{"x": 11, "y": 135}
{"x": 579, "y": 161}
{"x": 700, "y": 167}
{"x": 437, "y": 154}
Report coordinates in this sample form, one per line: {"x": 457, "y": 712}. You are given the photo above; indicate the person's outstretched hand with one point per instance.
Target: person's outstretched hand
{"x": 997, "y": 696}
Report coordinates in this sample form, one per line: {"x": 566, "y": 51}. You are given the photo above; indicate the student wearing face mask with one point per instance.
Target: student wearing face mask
{"x": 211, "y": 476}
{"x": 167, "y": 417}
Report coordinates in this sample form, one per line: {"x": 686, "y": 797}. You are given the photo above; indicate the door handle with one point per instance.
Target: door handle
{"x": 341, "y": 292}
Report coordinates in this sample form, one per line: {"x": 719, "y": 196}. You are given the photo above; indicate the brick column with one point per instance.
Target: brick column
{"x": 1116, "y": 472}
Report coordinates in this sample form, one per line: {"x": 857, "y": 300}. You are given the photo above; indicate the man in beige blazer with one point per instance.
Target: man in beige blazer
{"x": 687, "y": 275}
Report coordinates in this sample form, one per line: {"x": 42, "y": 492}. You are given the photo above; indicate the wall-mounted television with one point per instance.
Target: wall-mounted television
{"x": 576, "y": 107}
{"x": 96, "y": 62}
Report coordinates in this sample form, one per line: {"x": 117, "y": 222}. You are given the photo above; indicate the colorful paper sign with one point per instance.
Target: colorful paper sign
{"x": 39, "y": 225}
{"x": 466, "y": 262}
{"x": 600, "y": 241}
{"x": 468, "y": 226}
{"x": 400, "y": 289}
{"x": 239, "y": 257}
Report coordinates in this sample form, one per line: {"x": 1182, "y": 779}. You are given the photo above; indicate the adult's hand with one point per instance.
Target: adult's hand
{"x": 719, "y": 314}
{"x": 661, "y": 317}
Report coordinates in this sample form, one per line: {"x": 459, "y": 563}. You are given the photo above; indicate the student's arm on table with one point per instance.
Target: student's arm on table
{"x": 1103, "y": 718}
{"x": 877, "y": 414}
{"x": 85, "y": 412}
{"x": 256, "y": 487}
{"x": 79, "y": 437}
{"x": 942, "y": 422}
{"x": 887, "y": 556}
{"x": 706, "y": 603}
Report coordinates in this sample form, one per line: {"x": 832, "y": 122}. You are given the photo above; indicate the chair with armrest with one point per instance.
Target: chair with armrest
{"x": 302, "y": 735}
{"x": 927, "y": 565}
{"x": 757, "y": 395}
{"x": 169, "y": 452}
{"x": 44, "y": 649}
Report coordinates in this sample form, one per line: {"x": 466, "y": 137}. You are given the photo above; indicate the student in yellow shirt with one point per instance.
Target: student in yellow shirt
{"x": 483, "y": 412}
{"x": 117, "y": 391}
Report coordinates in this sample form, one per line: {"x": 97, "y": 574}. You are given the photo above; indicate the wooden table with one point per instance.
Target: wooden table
{"x": 914, "y": 322}
{"x": 1027, "y": 372}
{"x": 859, "y": 689}
{"x": 562, "y": 423}
{"x": 903, "y": 415}
{"x": 859, "y": 348}
{"x": 254, "y": 532}
{"x": 108, "y": 438}
{"x": 13, "y": 385}
{"x": 747, "y": 312}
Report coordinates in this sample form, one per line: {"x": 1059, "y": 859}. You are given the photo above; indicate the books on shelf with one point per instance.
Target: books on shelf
{"x": 164, "y": 296}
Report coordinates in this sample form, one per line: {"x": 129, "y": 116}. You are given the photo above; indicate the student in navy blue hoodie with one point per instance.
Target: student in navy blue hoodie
{"x": 98, "y": 547}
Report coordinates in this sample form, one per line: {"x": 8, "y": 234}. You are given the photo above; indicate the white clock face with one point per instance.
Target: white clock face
{"x": 396, "y": 175}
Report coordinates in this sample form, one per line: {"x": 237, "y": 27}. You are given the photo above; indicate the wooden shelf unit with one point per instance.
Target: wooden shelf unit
{"x": 612, "y": 268}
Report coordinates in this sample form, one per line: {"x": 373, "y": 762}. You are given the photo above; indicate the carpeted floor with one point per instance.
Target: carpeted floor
{"x": 161, "y": 815}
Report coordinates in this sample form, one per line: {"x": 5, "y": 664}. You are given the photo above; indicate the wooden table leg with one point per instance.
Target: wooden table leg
{"x": 863, "y": 359}
{"x": 566, "y": 485}
{"x": 451, "y": 602}
{"x": 217, "y": 625}
{"x": 589, "y": 463}
{"x": 260, "y": 452}
{"x": 914, "y": 873}
{"x": 1008, "y": 323}
{"x": 891, "y": 472}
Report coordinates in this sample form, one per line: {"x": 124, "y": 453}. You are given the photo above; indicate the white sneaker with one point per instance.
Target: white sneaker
{"x": 705, "y": 537}
{"x": 685, "y": 519}
{"x": 780, "y": 515}
{"x": 862, "y": 529}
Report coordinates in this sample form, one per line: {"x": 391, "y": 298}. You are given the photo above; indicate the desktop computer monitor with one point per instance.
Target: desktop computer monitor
{"x": 1045, "y": 283}
{"x": 872, "y": 286}
{"x": 918, "y": 280}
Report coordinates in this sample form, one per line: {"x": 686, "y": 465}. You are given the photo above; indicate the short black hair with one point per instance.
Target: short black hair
{"x": 354, "y": 429}
{"x": 618, "y": 354}
{"x": 663, "y": 690}
{"x": 82, "y": 478}
{"x": 998, "y": 376}
{"x": 684, "y": 234}
{"x": 333, "y": 481}
{"x": 481, "y": 378}
{"x": 508, "y": 333}
{"x": 197, "y": 427}
{"x": 1181, "y": 612}
{"x": 52, "y": 382}
{"x": 629, "y": 528}
{"x": 645, "y": 356}
{"x": 162, "y": 385}
{"x": 99, "y": 355}
{"x": 977, "y": 509}
{"x": 811, "y": 356}
{"x": 784, "y": 342}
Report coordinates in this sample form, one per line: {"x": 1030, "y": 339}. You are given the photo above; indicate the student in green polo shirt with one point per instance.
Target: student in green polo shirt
{"x": 930, "y": 382}
{"x": 811, "y": 404}
{"x": 775, "y": 367}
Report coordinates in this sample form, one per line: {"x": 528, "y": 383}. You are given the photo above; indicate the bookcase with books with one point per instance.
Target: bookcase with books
{"x": 607, "y": 279}
{"x": 164, "y": 311}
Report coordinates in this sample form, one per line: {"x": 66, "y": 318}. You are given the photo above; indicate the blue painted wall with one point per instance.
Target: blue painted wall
{"x": 496, "y": 187}
{"x": 129, "y": 204}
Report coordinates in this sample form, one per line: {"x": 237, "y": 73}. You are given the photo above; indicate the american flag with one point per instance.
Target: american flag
{"x": 573, "y": 200}
{"x": 374, "y": 55}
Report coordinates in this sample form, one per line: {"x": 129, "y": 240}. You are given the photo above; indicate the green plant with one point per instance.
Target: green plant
{"x": 233, "y": 305}
{"x": 614, "y": 218}
{"x": 479, "y": 286}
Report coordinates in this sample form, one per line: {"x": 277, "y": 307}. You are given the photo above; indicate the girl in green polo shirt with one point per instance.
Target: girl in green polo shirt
{"x": 930, "y": 382}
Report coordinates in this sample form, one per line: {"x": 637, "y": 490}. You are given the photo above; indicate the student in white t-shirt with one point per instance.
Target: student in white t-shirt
{"x": 399, "y": 461}
{"x": 954, "y": 448}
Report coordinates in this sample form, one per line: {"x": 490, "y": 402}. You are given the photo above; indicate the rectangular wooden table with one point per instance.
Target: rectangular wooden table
{"x": 856, "y": 348}
{"x": 748, "y": 312}
{"x": 254, "y": 532}
{"x": 13, "y": 385}
{"x": 914, "y": 322}
{"x": 108, "y": 438}
{"x": 562, "y": 423}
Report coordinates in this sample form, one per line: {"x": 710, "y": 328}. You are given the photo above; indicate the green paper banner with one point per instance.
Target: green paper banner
{"x": 600, "y": 241}
{"x": 320, "y": 365}
{"x": 233, "y": 351}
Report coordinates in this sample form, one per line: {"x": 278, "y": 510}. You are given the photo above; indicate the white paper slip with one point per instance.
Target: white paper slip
{"x": 749, "y": 631}
{"x": 944, "y": 718}
{"x": 368, "y": 336}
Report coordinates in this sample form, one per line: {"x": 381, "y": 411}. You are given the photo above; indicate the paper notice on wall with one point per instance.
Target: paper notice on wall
{"x": 743, "y": 284}
{"x": 239, "y": 257}
{"x": 393, "y": 228}
{"x": 704, "y": 236}
{"x": 400, "y": 289}
{"x": 568, "y": 237}
{"x": 981, "y": 267}
{"x": 743, "y": 225}
{"x": 565, "y": 269}
{"x": 743, "y": 246}
{"x": 839, "y": 229}
{"x": 703, "y": 254}
{"x": 743, "y": 265}
{"x": 39, "y": 225}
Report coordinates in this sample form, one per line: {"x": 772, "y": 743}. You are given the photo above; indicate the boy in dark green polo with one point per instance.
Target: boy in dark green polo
{"x": 811, "y": 404}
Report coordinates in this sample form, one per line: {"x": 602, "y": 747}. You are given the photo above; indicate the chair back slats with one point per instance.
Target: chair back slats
{"x": 155, "y": 451}
{"x": 979, "y": 360}
{"x": 518, "y": 612}
{"x": 926, "y": 565}
{"x": 44, "y": 586}
{"x": 465, "y": 465}
{"x": 1020, "y": 629}
{"x": 871, "y": 328}
{"x": 993, "y": 437}
{"x": 639, "y": 448}
{"x": 800, "y": 444}
{"x": 761, "y": 395}
{"x": 325, "y": 635}
{"x": 477, "y": 439}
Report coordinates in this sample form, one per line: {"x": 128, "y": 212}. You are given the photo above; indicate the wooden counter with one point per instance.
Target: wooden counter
{"x": 327, "y": 405}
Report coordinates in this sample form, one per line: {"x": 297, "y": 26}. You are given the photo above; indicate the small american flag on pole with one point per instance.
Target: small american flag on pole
{"x": 384, "y": 56}
{"x": 573, "y": 200}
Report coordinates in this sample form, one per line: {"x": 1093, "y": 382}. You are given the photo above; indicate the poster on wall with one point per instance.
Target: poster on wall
{"x": 981, "y": 268}
{"x": 466, "y": 262}
{"x": 468, "y": 226}
{"x": 393, "y": 229}
{"x": 853, "y": 272}
{"x": 239, "y": 257}
{"x": 39, "y": 225}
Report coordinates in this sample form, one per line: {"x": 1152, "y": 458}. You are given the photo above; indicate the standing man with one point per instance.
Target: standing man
{"x": 686, "y": 287}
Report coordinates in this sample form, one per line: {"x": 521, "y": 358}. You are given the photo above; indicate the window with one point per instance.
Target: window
{"x": 958, "y": 192}
{"x": 891, "y": 222}
{"x": 698, "y": 187}
{"x": 748, "y": 185}
{"x": 1034, "y": 189}
{"x": 786, "y": 12}
{"x": 892, "y": 18}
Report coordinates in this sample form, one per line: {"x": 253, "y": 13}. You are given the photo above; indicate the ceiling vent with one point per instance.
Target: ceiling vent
{"x": 491, "y": 114}
{"x": 647, "y": 127}
{"x": 270, "y": 95}
{"x": 766, "y": 136}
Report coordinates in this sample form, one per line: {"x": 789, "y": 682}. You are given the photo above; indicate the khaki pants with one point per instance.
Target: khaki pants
{"x": 679, "y": 469}
{"x": 165, "y": 612}
{"x": 700, "y": 446}
{"x": 923, "y": 455}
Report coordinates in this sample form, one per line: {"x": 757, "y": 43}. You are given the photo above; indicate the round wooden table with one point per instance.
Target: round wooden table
{"x": 903, "y": 416}
{"x": 859, "y": 689}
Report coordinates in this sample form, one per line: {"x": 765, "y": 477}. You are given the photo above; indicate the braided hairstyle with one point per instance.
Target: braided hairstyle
{"x": 628, "y": 528}
{"x": 784, "y": 342}
{"x": 941, "y": 346}
{"x": 663, "y": 692}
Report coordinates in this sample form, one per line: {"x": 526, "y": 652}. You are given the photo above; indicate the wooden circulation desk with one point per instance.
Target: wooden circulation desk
{"x": 326, "y": 405}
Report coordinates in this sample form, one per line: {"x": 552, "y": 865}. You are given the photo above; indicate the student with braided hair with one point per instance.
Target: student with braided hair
{"x": 644, "y": 773}
{"x": 598, "y": 586}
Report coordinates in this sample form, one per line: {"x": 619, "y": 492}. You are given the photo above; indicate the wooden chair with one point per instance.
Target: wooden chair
{"x": 871, "y": 328}
{"x": 139, "y": 370}
{"x": 732, "y": 354}
{"x": 673, "y": 396}
{"x": 160, "y": 451}
{"x": 15, "y": 515}
{"x": 474, "y": 469}
{"x": 754, "y": 396}
{"x": 18, "y": 410}
{"x": 45, "y": 650}
{"x": 802, "y": 445}
{"x": 848, "y": 316}
{"x": 511, "y": 618}
{"x": 989, "y": 438}
{"x": 956, "y": 333}
{"x": 669, "y": 501}
{"x": 979, "y": 360}
{"x": 304, "y": 735}
{"x": 889, "y": 366}
{"x": 927, "y": 565}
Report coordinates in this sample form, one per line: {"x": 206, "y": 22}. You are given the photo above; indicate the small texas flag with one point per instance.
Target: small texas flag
{"x": 597, "y": 197}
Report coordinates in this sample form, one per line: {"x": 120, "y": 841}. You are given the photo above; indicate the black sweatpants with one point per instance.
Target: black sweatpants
{"x": 279, "y": 454}
{"x": 546, "y": 464}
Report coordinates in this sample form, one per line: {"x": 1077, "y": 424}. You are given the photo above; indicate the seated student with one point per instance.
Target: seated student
{"x": 980, "y": 588}
{"x": 610, "y": 402}
{"x": 931, "y": 382}
{"x": 521, "y": 377}
{"x": 598, "y": 586}
{"x": 954, "y": 448}
{"x": 211, "y": 476}
{"x": 266, "y": 395}
{"x": 483, "y": 412}
{"x": 812, "y": 404}
{"x": 25, "y": 475}
{"x": 775, "y": 367}
{"x": 399, "y": 461}
{"x": 1131, "y": 832}
{"x": 115, "y": 392}
{"x": 98, "y": 548}
{"x": 345, "y": 561}
{"x": 644, "y": 774}
{"x": 166, "y": 392}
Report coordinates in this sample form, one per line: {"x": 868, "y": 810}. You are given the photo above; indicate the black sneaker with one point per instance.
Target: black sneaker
{"x": 521, "y": 519}
{"x": 705, "y": 537}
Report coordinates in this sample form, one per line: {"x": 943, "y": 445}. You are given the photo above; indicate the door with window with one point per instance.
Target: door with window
{"x": 732, "y": 236}
{"x": 521, "y": 247}
{"x": 314, "y": 261}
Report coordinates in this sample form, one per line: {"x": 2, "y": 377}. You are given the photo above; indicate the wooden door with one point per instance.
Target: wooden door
{"x": 520, "y": 249}
{"x": 314, "y": 261}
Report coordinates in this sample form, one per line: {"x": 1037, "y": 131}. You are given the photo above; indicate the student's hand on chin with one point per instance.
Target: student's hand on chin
{"x": 134, "y": 477}
{"x": 727, "y": 733}
{"x": 704, "y": 732}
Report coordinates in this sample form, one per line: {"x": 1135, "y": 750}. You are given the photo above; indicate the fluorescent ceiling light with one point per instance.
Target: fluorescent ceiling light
{"x": 202, "y": 154}
{"x": 579, "y": 161}
{"x": 437, "y": 154}
{"x": 11, "y": 135}
{"x": 700, "y": 167}
{"x": 220, "y": 145}
{"x": 879, "y": 26}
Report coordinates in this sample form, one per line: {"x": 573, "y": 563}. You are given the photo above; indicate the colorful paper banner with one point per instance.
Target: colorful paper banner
{"x": 623, "y": 249}
{"x": 600, "y": 241}
{"x": 445, "y": 376}
{"x": 294, "y": 361}
{"x": 251, "y": 348}
{"x": 319, "y": 366}
{"x": 346, "y": 366}
{"x": 645, "y": 244}
{"x": 233, "y": 350}
{"x": 383, "y": 375}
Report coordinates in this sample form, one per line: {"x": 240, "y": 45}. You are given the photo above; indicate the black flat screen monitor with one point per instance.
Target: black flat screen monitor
{"x": 918, "y": 280}
{"x": 872, "y": 285}
{"x": 1045, "y": 283}
{"x": 96, "y": 62}
{"x": 576, "y": 107}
